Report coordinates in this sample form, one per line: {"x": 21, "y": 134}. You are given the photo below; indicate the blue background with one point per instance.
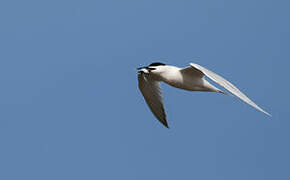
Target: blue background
{"x": 70, "y": 107}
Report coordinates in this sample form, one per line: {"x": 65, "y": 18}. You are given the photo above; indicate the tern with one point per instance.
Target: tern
{"x": 190, "y": 78}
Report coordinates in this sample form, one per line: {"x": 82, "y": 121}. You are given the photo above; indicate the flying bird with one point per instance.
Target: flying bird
{"x": 190, "y": 78}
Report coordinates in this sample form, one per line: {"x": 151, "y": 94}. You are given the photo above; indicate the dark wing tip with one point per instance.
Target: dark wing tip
{"x": 163, "y": 120}
{"x": 165, "y": 124}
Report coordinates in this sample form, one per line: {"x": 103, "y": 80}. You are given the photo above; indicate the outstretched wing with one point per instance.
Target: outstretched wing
{"x": 152, "y": 94}
{"x": 227, "y": 85}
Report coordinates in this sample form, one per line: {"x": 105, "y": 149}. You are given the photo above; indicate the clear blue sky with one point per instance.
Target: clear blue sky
{"x": 70, "y": 107}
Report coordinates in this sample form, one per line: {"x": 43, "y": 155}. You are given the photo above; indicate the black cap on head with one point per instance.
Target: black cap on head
{"x": 157, "y": 64}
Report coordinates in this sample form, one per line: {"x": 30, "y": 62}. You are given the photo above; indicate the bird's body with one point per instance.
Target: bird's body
{"x": 183, "y": 79}
{"x": 189, "y": 78}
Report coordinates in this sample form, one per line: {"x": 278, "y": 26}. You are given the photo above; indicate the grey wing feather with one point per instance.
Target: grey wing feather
{"x": 227, "y": 85}
{"x": 152, "y": 94}
{"x": 192, "y": 72}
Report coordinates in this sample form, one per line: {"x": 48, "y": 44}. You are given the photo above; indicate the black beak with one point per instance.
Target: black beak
{"x": 141, "y": 67}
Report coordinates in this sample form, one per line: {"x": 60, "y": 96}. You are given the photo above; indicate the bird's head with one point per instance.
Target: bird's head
{"x": 153, "y": 67}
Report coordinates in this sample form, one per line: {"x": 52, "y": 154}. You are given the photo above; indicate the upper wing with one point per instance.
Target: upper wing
{"x": 227, "y": 85}
{"x": 153, "y": 96}
{"x": 192, "y": 72}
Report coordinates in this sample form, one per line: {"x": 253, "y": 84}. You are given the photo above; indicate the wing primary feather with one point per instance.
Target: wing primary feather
{"x": 227, "y": 85}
